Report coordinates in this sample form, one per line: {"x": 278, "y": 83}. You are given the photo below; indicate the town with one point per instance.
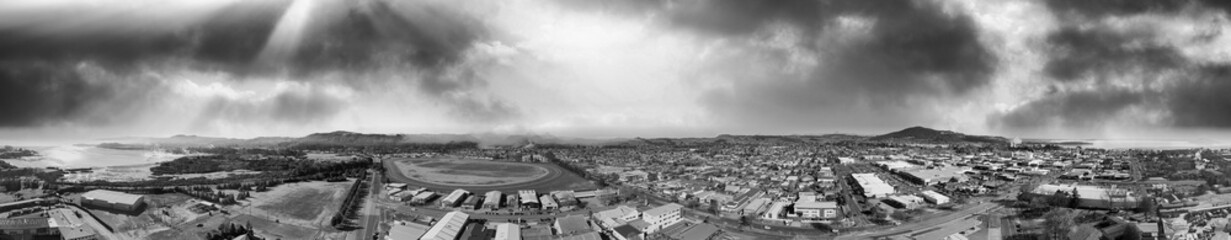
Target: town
{"x": 915, "y": 184}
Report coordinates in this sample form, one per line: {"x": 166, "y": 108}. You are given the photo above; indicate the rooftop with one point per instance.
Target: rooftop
{"x": 664, "y": 209}
{"x": 448, "y": 227}
{"x": 112, "y": 197}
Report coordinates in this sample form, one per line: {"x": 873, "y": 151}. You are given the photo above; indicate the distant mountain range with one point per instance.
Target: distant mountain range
{"x": 919, "y": 135}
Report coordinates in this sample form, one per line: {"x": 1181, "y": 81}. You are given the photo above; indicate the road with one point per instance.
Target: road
{"x": 909, "y": 227}
{"x": 370, "y": 222}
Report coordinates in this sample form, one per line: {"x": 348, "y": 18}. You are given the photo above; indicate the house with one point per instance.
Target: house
{"x": 448, "y": 227}
{"x": 113, "y": 200}
{"x": 662, "y": 216}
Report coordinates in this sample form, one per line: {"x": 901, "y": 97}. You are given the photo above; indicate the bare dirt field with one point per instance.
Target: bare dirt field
{"x": 293, "y": 211}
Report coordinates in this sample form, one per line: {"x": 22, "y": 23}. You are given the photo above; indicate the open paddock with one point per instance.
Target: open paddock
{"x": 448, "y": 173}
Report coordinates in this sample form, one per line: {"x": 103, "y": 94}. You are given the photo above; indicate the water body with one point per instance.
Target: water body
{"x": 85, "y": 156}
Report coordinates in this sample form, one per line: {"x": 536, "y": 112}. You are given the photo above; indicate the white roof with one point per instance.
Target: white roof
{"x": 112, "y": 197}
{"x": 815, "y": 205}
{"x": 508, "y": 231}
{"x": 933, "y": 195}
{"x": 871, "y": 184}
{"x": 664, "y": 209}
{"x": 548, "y": 201}
{"x": 448, "y": 227}
{"x": 456, "y": 195}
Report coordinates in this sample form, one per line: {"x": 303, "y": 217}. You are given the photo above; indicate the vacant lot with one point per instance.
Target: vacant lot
{"x": 469, "y": 172}
{"x": 307, "y": 204}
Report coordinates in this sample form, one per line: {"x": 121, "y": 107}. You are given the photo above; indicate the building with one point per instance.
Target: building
{"x": 614, "y": 217}
{"x": 934, "y": 197}
{"x": 661, "y": 217}
{"x": 904, "y": 201}
{"x": 113, "y": 200}
{"x": 423, "y": 197}
{"x": 507, "y": 231}
{"x": 755, "y": 206}
{"x": 491, "y": 200}
{"x": 548, "y": 203}
{"x": 1093, "y": 197}
{"x": 29, "y": 228}
{"x": 627, "y": 232}
{"x": 566, "y": 199}
{"x": 816, "y": 210}
{"x": 70, "y": 226}
{"x": 572, "y": 225}
{"x": 454, "y": 199}
{"x": 406, "y": 230}
{"x": 872, "y": 186}
{"x": 935, "y": 176}
{"x": 634, "y": 175}
{"x": 704, "y": 231}
{"x": 775, "y": 211}
{"x": 448, "y": 227}
{"x": 529, "y": 199}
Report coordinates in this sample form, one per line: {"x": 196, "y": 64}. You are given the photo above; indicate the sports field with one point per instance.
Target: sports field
{"x": 446, "y": 174}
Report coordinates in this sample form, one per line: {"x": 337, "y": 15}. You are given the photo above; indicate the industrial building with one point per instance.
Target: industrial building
{"x": 872, "y": 186}
{"x": 448, "y": 227}
{"x": 454, "y": 199}
{"x": 529, "y": 199}
{"x": 934, "y": 197}
{"x": 548, "y": 203}
{"x": 507, "y": 231}
{"x": 935, "y": 176}
{"x": 1088, "y": 196}
{"x": 113, "y": 200}
{"x": 491, "y": 200}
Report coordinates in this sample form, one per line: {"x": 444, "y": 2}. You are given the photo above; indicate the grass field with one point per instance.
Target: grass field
{"x": 469, "y": 172}
{"x": 552, "y": 178}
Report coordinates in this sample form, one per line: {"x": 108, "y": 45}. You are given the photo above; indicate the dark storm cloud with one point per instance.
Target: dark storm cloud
{"x": 913, "y": 51}
{"x": 1108, "y": 58}
{"x": 1203, "y": 101}
{"x": 41, "y": 93}
{"x": 1082, "y": 109}
{"x": 1097, "y": 52}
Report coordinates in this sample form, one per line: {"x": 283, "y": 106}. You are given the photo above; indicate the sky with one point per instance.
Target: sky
{"x": 605, "y": 68}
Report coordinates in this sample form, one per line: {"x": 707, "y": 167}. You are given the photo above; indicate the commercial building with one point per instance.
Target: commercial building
{"x": 548, "y": 202}
{"x": 29, "y": 228}
{"x": 755, "y": 206}
{"x": 775, "y": 210}
{"x": 816, "y": 210}
{"x": 454, "y": 199}
{"x": 529, "y": 199}
{"x": 872, "y": 186}
{"x": 904, "y": 201}
{"x": 448, "y": 227}
{"x": 935, "y": 176}
{"x": 508, "y": 231}
{"x": 1088, "y": 196}
{"x": 492, "y": 199}
{"x": 614, "y": 217}
{"x": 661, "y": 217}
{"x": 423, "y": 197}
{"x": 70, "y": 226}
{"x": 113, "y": 200}
{"x": 934, "y": 197}
{"x": 566, "y": 199}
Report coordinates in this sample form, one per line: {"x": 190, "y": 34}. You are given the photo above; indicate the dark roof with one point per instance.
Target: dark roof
{"x": 24, "y": 223}
{"x": 627, "y": 231}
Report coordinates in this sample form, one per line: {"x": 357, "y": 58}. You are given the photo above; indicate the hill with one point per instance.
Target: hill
{"x": 933, "y": 136}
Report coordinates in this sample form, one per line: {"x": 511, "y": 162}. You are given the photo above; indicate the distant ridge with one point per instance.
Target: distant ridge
{"x": 927, "y": 135}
